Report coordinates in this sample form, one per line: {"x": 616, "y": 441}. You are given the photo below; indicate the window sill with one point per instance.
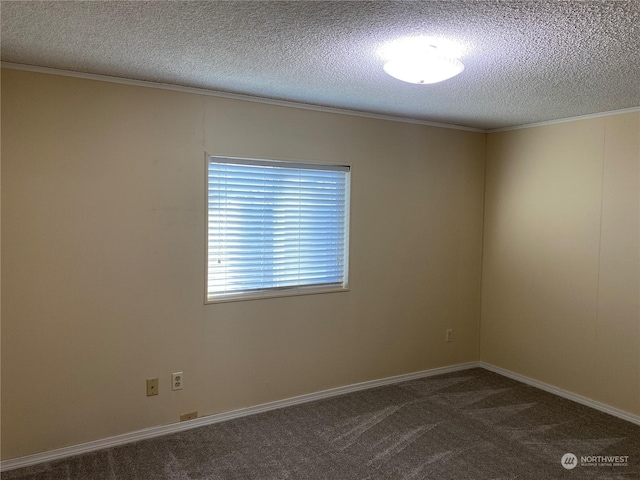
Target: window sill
{"x": 286, "y": 292}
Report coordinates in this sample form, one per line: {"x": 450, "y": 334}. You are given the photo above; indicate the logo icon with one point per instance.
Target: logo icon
{"x": 569, "y": 461}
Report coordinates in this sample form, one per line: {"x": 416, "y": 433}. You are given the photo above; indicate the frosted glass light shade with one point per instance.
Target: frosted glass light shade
{"x": 423, "y": 69}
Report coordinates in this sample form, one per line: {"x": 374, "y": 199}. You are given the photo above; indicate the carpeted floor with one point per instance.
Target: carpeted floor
{"x": 472, "y": 424}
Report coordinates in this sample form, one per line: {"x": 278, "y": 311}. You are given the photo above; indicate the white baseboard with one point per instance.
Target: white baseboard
{"x": 152, "y": 432}
{"x": 616, "y": 412}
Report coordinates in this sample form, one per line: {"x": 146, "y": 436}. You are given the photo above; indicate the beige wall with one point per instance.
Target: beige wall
{"x": 560, "y": 282}
{"x": 103, "y": 258}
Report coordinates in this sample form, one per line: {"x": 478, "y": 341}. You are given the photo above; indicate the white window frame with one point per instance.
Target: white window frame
{"x": 271, "y": 292}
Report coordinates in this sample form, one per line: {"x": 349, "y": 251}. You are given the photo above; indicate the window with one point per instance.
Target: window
{"x": 276, "y": 228}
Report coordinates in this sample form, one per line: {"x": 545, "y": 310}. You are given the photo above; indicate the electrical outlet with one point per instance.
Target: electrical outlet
{"x": 449, "y": 336}
{"x": 152, "y": 387}
{"x": 188, "y": 416}
{"x": 176, "y": 381}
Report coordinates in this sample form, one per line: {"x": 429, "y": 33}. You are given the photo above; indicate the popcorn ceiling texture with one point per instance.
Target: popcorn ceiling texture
{"x": 525, "y": 61}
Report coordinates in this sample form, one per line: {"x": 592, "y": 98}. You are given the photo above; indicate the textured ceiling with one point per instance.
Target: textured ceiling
{"x": 525, "y": 61}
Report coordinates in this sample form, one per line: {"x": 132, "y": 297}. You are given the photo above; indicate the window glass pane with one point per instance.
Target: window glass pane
{"x": 275, "y": 225}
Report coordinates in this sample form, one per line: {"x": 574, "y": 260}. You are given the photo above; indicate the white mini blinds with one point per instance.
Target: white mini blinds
{"x": 276, "y": 228}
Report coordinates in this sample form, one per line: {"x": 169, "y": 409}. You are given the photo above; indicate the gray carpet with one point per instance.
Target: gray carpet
{"x": 472, "y": 424}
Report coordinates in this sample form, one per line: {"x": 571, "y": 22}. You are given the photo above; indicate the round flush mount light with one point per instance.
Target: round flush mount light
{"x": 421, "y": 62}
{"x": 423, "y": 70}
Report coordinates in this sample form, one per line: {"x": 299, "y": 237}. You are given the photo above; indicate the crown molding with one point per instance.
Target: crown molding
{"x": 565, "y": 120}
{"x": 233, "y": 96}
{"x": 302, "y": 106}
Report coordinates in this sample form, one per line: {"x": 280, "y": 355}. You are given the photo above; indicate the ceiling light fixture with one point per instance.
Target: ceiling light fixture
{"x": 422, "y": 64}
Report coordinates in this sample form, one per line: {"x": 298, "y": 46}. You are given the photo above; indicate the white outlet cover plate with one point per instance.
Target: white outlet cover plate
{"x": 177, "y": 381}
